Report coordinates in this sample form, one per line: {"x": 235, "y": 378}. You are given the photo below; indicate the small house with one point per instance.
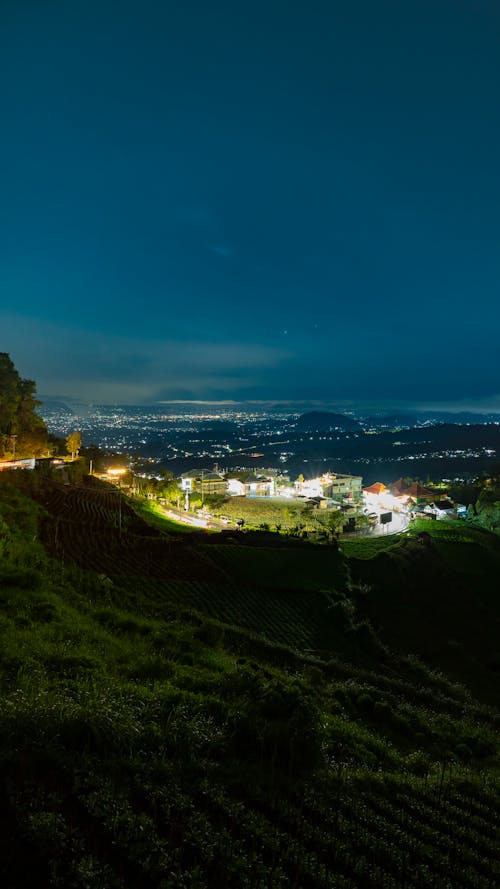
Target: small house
{"x": 203, "y": 481}
{"x": 248, "y": 484}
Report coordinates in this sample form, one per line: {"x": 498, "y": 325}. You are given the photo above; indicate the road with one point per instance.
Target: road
{"x": 185, "y": 518}
{"x": 399, "y": 523}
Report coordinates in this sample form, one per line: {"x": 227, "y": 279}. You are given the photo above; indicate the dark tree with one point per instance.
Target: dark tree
{"x": 21, "y": 429}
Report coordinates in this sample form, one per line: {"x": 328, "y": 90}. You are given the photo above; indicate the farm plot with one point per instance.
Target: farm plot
{"x": 96, "y": 530}
{"x": 264, "y": 510}
{"x": 368, "y": 547}
{"x": 104, "y": 549}
{"x": 90, "y": 505}
{"x": 456, "y": 531}
{"x": 292, "y": 619}
{"x": 286, "y": 569}
{"x": 270, "y": 592}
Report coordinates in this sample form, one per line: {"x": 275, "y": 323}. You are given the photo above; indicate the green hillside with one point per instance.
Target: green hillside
{"x": 180, "y": 711}
{"x": 440, "y": 601}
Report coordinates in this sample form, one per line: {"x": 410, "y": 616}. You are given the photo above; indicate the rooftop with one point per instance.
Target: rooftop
{"x": 202, "y": 474}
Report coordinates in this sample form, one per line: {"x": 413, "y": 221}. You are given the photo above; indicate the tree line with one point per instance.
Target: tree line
{"x": 22, "y": 431}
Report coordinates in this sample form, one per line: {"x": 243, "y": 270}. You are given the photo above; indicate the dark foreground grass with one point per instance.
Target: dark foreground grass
{"x": 439, "y": 599}
{"x": 368, "y": 547}
{"x": 143, "y": 744}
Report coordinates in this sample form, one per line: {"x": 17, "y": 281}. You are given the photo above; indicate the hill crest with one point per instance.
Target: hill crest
{"x": 326, "y": 421}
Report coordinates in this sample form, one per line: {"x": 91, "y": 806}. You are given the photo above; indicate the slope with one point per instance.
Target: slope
{"x": 441, "y": 600}
{"x": 144, "y": 744}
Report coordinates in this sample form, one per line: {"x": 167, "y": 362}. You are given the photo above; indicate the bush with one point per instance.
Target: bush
{"x": 23, "y": 578}
{"x": 211, "y": 634}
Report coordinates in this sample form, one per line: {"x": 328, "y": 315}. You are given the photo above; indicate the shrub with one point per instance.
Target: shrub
{"x": 22, "y": 578}
{"x": 210, "y": 634}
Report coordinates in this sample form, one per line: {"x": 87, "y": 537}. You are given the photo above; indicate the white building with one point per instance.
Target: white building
{"x": 203, "y": 481}
{"x": 250, "y": 485}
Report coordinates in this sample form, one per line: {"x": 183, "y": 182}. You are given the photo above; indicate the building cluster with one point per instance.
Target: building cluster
{"x": 326, "y": 490}
{"x": 331, "y": 486}
{"x": 413, "y": 498}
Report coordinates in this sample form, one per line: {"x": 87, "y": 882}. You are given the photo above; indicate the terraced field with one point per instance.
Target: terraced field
{"x": 160, "y": 729}
{"x": 270, "y": 591}
{"x": 291, "y": 569}
{"x": 368, "y": 547}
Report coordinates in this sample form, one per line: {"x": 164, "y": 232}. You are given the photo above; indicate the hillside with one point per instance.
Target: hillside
{"x": 439, "y": 601}
{"x": 184, "y": 713}
{"x": 326, "y": 421}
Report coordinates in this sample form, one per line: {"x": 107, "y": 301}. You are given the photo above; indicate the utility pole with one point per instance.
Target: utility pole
{"x": 120, "y": 507}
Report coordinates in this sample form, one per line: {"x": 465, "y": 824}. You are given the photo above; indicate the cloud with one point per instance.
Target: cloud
{"x": 331, "y": 367}
{"x": 221, "y": 250}
{"x": 484, "y": 405}
{"x": 102, "y": 367}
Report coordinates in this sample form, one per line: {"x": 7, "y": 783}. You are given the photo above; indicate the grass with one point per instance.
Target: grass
{"x": 459, "y": 530}
{"x": 155, "y": 516}
{"x": 263, "y": 510}
{"x": 440, "y": 601}
{"x": 441, "y": 532}
{"x": 143, "y": 743}
{"x": 281, "y": 568}
{"x": 368, "y": 547}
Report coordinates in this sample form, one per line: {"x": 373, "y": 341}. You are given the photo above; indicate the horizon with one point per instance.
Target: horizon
{"x": 311, "y": 404}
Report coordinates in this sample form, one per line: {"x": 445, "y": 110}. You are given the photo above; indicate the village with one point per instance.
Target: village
{"x": 331, "y": 503}
{"x": 337, "y": 502}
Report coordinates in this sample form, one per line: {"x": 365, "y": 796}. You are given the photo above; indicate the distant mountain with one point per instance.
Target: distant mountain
{"x": 392, "y": 421}
{"x": 49, "y": 404}
{"x": 326, "y": 421}
{"x": 464, "y": 417}
{"x": 419, "y": 418}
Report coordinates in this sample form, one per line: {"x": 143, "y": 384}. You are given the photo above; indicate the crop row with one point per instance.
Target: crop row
{"x": 159, "y": 564}
{"x": 305, "y": 569}
{"x": 118, "y": 552}
{"x": 164, "y": 823}
{"x": 254, "y": 609}
{"x": 355, "y": 842}
{"x": 167, "y": 572}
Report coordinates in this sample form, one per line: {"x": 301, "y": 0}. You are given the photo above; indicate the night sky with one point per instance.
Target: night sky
{"x": 265, "y": 200}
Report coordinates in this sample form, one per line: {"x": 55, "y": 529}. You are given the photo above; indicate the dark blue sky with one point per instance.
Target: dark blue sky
{"x": 252, "y": 200}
